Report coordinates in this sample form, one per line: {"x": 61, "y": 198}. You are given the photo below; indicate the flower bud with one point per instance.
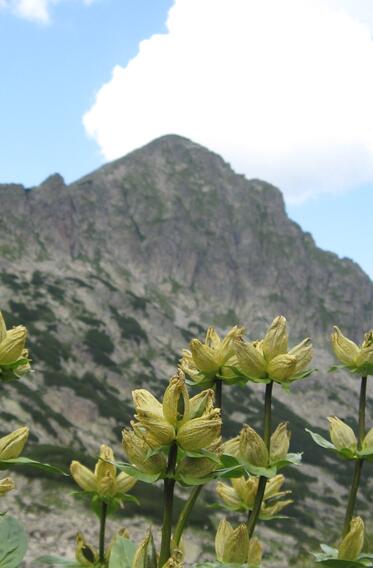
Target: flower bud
{"x": 280, "y": 442}
{"x": 6, "y": 484}
{"x": 282, "y": 367}
{"x": 124, "y": 482}
{"x": 352, "y": 544}
{"x": 365, "y": 357}
{"x": 145, "y": 401}
{"x": 250, "y": 360}
{"x": 273, "y": 487}
{"x": 275, "y": 341}
{"x": 254, "y": 557}
{"x": 85, "y": 554}
{"x": 196, "y": 467}
{"x": 176, "y": 400}
{"x": 275, "y": 508}
{"x": 106, "y": 485}
{"x": 201, "y": 403}
{"x": 368, "y": 440}
{"x": 246, "y": 489}
{"x": 252, "y": 447}
{"x": 200, "y": 432}
{"x": 228, "y": 495}
{"x": 232, "y": 447}
{"x": 104, "y": 467}
{"x": 83, "y": 476}
{"x": 368, "y": 340}
{"x": 12, "y": 444}
{"x": 12, "y": 345}
{"x": 2, "y": 328}
{"x": 231, "y": 545}
{"x": 341, "y": 434}
{"x": 204, "y": 357}
{"x": 145, "y": 554}
{"x": 155, "y": 430}
{"x": 344, "y": 349}
{"x": 137, "y": 451}
{"x": 303, "y": 355}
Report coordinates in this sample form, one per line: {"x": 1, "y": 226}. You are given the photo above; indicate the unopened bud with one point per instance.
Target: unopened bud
{"x": 250, "y": 360}
{"x": 83, "y": 476}
{"x": 200, "y": 432}
{"x": 252, "y": 447}
{"x": 12, "y": 444}
{"x": 137, "y": 451}
{"x": 352, "y": 544}
{"x": 280, "y": 442}
{"x": 282, "y": 367}
{"x": 344, "y": 349}
{"x": 6, "y": 484}
{"x": 176, "y": 400}
{"x": 341, "y": 434}
{"x": 231, "y": 545}
{"x": 254, "y": 557}
{"x": 12, "y": 346}
{"x": 275, "y": 341}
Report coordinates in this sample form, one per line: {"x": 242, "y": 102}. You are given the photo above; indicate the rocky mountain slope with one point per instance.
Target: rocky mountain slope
{"x": 115, "y": 273}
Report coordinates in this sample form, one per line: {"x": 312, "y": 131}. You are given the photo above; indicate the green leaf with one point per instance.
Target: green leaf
{"x": 56, "y": 561}
{"x": 333, "y": 552}
{"x": 4, "y": 464}
{"x": 321, "y": 441}
{"x": 134, "y": 472}
{"x": 267, "y": 472}
{"x": 202, "y": 454}
{"x": 291, "y": 459}
{"x": 188, "y": 480}
{"x": 13, "y": 542}
{"x": 122, "y": 553}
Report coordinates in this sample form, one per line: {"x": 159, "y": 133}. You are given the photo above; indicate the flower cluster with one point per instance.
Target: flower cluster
{"x": 357, "y": 359}
{"x": 235, "y": 360}
{"x": 233, "y": 546}
{"x": 103, "y": 481}
{"x": 241, "y": 494}
{"x": 14, "y": 360}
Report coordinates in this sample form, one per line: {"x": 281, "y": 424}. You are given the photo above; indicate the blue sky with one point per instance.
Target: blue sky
{"x": 282, "y": 90}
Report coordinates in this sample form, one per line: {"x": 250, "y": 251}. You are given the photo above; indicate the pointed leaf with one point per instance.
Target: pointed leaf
{"x": 321, "y": 441}
{"x": 4, "y": 464}
{"x": 122, "y": 553}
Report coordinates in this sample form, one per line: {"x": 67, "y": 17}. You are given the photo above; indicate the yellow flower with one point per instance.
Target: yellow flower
{"x": 341, "y": 434}
{"x": 252, "y": 447}
{"x": 231, "y": 545}
{"x": 210, "y": 357}
{"x": 241, "y": 495}
{"x": 357, "y": 359}
{"x": 104, "y": 481}
{"x": 200, "y": 432}
{"x": 138, "y": 451}
{"x": 176, "y": 400}
{"x": 280, "y": 442}
{"x": 352, "y": 544}
{"x": 6, "y": 484}
{"x": 12, "y": 444}
{"x": 14, "y": 360}
{"x": 270, "y": 359}
{"x": 275, "y": 341}
{"x": 254, "y": 557}
{"x": 85, "y": 554}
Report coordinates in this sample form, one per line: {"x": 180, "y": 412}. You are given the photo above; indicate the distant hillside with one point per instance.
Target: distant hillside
{"x": 114, "y": 274}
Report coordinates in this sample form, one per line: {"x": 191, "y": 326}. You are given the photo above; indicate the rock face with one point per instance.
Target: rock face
{"x": 115, "y": 273}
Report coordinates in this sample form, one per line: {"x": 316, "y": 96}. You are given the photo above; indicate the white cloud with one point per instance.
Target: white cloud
{"x": 282, "y": 90}
{"x": 33, "y": 10}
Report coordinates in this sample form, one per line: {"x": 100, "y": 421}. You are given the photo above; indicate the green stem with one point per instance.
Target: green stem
{"x": 168, "y": 496}
{"x": 267, "y": 426}
{"x": 358, "y": 463}
{"x": 102, "y": 531}
{"x": 218, "y": 393}
{"x": 188, "y": 507}
{"x": 185, "y": 513}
